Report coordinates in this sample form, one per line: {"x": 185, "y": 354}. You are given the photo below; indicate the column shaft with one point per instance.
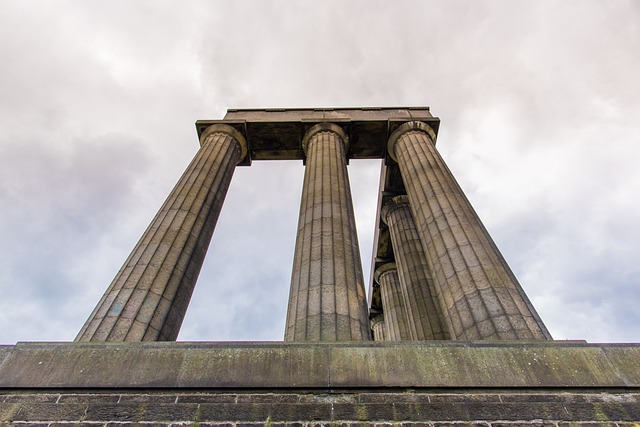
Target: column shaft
{"x": 378, "y": 327}
{"x": 393, "y": 304}
{"x": 424, "y": 315}
{"x": 478, "y": 293}
{"x": 327, "y": 301}
{"x": 148, "y": 298}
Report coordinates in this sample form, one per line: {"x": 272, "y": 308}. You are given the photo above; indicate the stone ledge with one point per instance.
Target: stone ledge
{"x": 257, "y": 412}
{"x": 277, "y": 365}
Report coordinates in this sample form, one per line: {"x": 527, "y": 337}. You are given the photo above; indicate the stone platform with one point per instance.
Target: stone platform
{"x": 304, "y": 384}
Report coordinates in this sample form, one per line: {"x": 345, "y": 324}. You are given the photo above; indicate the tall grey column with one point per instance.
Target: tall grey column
{"x": 327, "y": 300}
{"x": 148, "y": 298}
{"x": 424, "y": 315}
{"x": 477, "y": 291}
{"x": 377, "y": 326}
{"x": 393, "y": 304}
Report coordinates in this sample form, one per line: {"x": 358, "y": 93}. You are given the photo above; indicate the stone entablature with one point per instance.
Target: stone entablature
{"x": 275, "y": 133}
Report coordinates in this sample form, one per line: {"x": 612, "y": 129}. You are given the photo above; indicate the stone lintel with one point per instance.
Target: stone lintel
{"x": 276, "y": 133}
{"x": 277, "y": 365}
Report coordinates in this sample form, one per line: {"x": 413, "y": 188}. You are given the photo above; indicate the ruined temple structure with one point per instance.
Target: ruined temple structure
{"x": 447, "y": 335}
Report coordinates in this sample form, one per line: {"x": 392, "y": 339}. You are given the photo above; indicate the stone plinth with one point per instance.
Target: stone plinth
{"x": 495, "y": 384}
{"x": 275, "y": 365}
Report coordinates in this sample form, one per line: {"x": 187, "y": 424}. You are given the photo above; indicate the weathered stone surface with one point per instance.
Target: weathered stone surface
{"x": 423, "y": 312}
{"x": 479, "y": 295}
{"x": 321, "y": 365}
{"x": 93, "y": 398}
{"x": 428, "y": 410}
{"x": 396, "y": 325}
{"x": 327, "y": 300}
{"x": 378, "y": 327}
{"x": 50, "y": 412}
{"x": 389, "y": 414}
{"x": 39, "y": 398}
{"x": 255, "y": 413}
{"x": 624, "y": 359}
{"x": 144, "y": 398}
{"x": 164, "y": 364}
{"x": 203, "y": 398}
{"x": 274, "y": 134}
{"x": 148, "y": 298}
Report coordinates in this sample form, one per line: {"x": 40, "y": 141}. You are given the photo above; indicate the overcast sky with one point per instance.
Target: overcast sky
{"x": 540, "y": 110}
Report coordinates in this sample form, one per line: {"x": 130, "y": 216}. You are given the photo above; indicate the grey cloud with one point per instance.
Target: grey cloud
{"x": 57, "y": 207}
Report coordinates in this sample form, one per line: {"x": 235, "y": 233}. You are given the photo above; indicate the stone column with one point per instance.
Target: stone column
{"x": 327, "y": 300}
{"x": 424, "y": 315}
{"x": 377, "y": 326}
{"x": 393, "y": 304}
{"x": 148, "y": 298}
{"x": 478, "y": 293}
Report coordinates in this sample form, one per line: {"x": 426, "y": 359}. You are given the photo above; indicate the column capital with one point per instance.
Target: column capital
{"x": 383, "y": 269}
{"x": 234, "y": 133}
{"x": 376, "y": 319}
{"x": 325, "y": 127}
{"x": 408, "y": 127}
{"x": 393, "y": 204}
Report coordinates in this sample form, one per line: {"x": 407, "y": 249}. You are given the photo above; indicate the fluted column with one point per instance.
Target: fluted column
{"x": 148, "y": 298}
{"x": 424, "y": 315}
{"x": 393, "y": 304}
{"x": 377, "y": 326}
{"x": 327, "y": 300}
{"x": 477, "y": 291}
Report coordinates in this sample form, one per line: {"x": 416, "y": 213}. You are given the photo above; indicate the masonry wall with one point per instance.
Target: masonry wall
{"x": 405, "y": 409}
{"x": 307, "y": 385}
